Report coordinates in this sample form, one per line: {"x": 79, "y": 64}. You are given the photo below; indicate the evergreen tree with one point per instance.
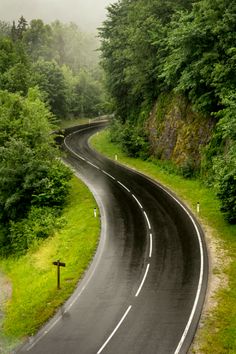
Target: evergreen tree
{"x": 21, "y": 27}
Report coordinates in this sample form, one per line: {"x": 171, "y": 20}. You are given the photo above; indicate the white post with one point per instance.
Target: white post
{"x": 198, "y": 207}
{"x": 95, "y": 212}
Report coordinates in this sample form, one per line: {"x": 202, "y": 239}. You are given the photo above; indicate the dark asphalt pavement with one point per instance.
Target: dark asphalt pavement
{"x": 145, "y": 289}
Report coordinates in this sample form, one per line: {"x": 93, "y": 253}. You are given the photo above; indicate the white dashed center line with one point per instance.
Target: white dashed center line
{"x": 115, "y": 330}
{"x": 150, "y": 251}
{"x": 108, "y": 174}
{"x": 149, "y": 225}
{"x": 142, "y": 282}
{"x": 122, "y": 185}
{"x": 137, "y": 201}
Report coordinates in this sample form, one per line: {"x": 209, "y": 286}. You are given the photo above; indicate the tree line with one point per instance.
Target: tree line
{"x": 47, "y": 72}
{"x": 182, "y": 46}
{"x": 59, "y": 59}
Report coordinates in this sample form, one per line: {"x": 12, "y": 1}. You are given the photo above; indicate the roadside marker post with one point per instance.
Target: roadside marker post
{"x": 198, "y": 207}
{"x": 58, "y": 264}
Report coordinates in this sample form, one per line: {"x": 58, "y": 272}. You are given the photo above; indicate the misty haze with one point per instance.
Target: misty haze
{"x": 87, "y": 14}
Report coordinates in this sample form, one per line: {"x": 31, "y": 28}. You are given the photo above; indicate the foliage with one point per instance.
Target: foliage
{"x": 17, "y": 32}
{"x": 49, "y": 78}
{"x": 150, "y": 47}
{"x": 89, "y": 95}
{"x": 40, "y": 223}
{"x": 227, "y": 194}
{"x": 46, "y": 70}
{"x": 30, "y": 174}
{"x": 38, "y": 54}
{"x": 73, "y": 48}
{"x": 201, "y": 62}
{"x": 132, "y": 139}
{"x": 5, "y": 29}
{"x": 38, "y": 40}
{"x": 224, "y": 167}
{"x": 188, "y": 169}
{"x": 14, "y": 67}
{"x": 133, "y": 48}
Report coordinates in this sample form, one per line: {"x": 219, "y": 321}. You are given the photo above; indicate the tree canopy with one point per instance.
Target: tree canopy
{"x": 188, "y": 47}
{"x": 31, "y": 176}
{"x": 38, "y": 54}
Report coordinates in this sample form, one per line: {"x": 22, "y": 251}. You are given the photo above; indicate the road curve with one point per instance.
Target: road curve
{"x": 144, "y": 291}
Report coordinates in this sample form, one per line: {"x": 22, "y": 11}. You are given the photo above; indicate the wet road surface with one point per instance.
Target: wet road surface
{"x": 144, "y": 291}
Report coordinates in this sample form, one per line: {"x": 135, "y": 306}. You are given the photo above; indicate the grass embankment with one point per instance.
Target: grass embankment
{"x": 218, "y": 333}
{"x": 35, "y": 297}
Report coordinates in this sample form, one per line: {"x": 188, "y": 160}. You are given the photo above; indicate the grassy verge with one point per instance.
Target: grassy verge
{"x": 218, "y": 332}
{"x": 35, "y": 297}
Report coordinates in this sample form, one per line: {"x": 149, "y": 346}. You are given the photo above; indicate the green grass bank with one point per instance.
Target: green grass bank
{"x": 217, "y": 333}
{"x": 33, "y": 280}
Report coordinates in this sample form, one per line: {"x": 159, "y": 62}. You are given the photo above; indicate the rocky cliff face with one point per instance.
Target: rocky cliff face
{"x": 176, "y": 132}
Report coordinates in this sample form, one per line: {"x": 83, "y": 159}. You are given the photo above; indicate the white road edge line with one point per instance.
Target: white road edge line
{"x": 199, "y": 283}
{"x": 144, "y": 278}
{"x": 115, "y": 330}
{"x": 149, "y": 225}
{"x": 137, "y": 201}
{"x": 150, "y": 250}
{"x": 45, "y": 332}
{"x": 122, "y": 185}
{"x": 184, "y": 335}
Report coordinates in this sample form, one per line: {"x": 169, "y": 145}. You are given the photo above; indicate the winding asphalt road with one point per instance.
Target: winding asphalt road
{"x": 145, "y": 289}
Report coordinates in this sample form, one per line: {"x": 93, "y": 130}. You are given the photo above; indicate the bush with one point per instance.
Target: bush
{"x": 31, "y": 174}
{"x": 227, "y": 196}
{"x": 132, "y": 139}
{"x": 225, "y": 182}
{"x": 188, "y": 169}
{"x": 39, "y": 224}
{"x": 53, "y": 189}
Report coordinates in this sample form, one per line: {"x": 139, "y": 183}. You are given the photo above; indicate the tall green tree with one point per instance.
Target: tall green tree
{"x": 21, "y": 27}
{"x": 149, "y": 47}
{"x": 14, "y": 67}
{"x": 5, "y": 29}
{"x": 88, "y": 93}
{"x": 49, "y": 78}
{"x": 133, "y": 50}
{"x": 201, "y": 46}
{"x": 38, "y": 40}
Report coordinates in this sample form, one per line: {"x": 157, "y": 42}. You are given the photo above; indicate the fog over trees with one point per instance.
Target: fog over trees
{"x": 87, "y": 14}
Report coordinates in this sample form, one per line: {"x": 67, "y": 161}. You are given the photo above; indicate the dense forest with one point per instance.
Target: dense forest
{"x": 151, "y": 49}
{"x": 47, "y": 72}
{"x": 59, "y": 59}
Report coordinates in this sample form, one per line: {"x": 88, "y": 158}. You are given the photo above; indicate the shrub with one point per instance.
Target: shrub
{"x": 39, "y": 224}
{"x": 132, "y": 139}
